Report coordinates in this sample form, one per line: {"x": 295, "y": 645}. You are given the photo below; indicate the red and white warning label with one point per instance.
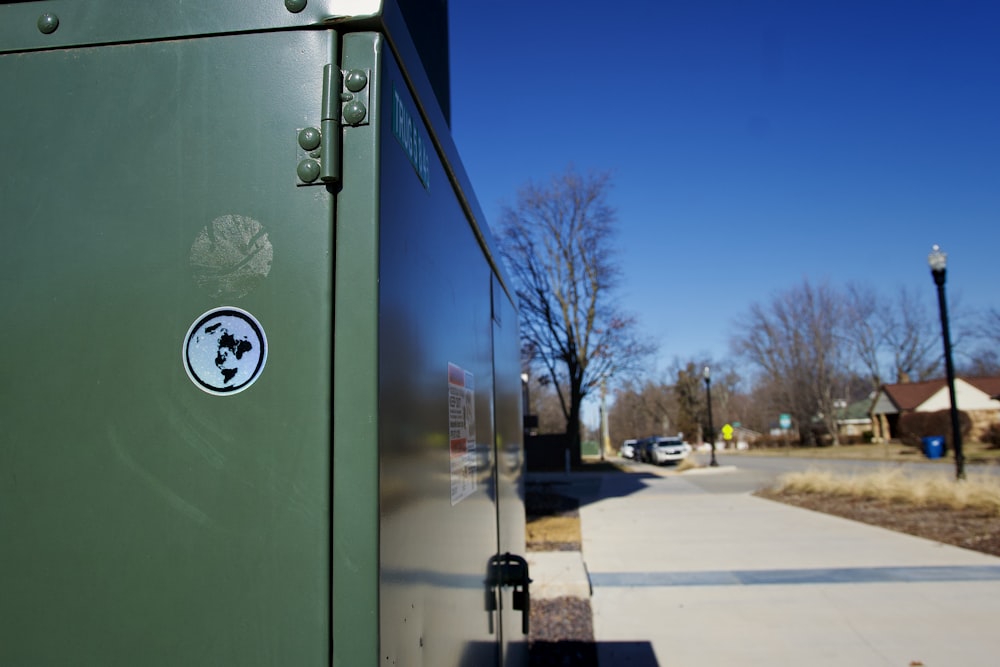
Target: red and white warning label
{"x": 462, "y": 432}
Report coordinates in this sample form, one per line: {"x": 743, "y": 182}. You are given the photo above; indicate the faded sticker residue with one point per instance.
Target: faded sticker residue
{"x": 231, "y": 256}
{"x": 462, "y": 432}
{"x": 225, "y": 351}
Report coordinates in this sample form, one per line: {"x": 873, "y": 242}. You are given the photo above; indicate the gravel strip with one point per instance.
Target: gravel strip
{"x": 562, "y": 633}
{"x": 562, "y": 629}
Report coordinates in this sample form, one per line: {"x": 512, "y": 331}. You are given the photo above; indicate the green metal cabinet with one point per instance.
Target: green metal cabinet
{"x": 260, "y": 400}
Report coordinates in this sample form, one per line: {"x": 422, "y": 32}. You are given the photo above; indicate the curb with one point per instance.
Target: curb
{"x": 556, "y": 574}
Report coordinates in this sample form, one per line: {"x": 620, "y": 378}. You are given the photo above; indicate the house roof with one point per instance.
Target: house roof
{"x": 989, "y": 386}
{"x": 909, "y": 395}
{"x": 857, "y": 410}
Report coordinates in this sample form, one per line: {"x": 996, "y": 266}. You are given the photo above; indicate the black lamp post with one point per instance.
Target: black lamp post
{"x": 707, "y": 374}
{"x": 525, "y": 403}
{"x": 938, "y": 261}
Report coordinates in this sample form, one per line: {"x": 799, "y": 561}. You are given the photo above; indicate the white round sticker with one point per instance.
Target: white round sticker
{"x": 224, "y": 351}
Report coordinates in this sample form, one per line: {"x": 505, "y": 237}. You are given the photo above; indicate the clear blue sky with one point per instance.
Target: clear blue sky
{"x": 752, "y": 144}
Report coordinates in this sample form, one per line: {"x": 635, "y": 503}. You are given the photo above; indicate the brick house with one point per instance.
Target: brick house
{"x": 854, "y": 421}
{"x": 977, "y": 397}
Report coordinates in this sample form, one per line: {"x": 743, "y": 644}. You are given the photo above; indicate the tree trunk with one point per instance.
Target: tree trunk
{"x": 573, "y": 422}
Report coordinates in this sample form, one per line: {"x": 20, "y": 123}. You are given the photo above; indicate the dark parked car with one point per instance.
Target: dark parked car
{"x": 642, "y": 449}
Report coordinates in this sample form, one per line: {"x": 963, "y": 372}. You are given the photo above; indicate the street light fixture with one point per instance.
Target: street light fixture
{"x": 707, "y": 374}
{"x": 938, "y": 261}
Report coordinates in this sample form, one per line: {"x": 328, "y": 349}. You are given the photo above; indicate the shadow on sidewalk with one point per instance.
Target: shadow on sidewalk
{"x": 585, "y": 486}
{"x": 562, "y": 633}
{"x": 591, "y": 654}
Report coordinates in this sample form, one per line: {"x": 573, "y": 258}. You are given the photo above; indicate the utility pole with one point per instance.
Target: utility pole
{"x": 605, "y": 440}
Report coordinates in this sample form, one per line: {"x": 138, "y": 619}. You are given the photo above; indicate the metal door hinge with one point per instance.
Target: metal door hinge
{"x": 347, "y": 98}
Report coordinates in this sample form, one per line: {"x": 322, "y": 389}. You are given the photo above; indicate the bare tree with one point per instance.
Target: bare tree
{"x": 642, "y": 410}
{"x": 544, "y": 404}
{"x": 690, "y": 396}
{"x": 984, "y": 362}
{"x": 912, "y": 338}
{"x": 989, "y": 327}
{"x": 894, "y": 339}
{"x": 557, "y": 241}
{"x": 692, "y": 419}
{"x": 797, "y": 344}
{"x": 985, "y": 359}
{"x": 677, "y": 407}
{"x": 865, "y": 328}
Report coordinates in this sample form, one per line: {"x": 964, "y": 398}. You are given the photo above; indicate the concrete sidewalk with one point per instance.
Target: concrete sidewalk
{"x": 681, "y": 576}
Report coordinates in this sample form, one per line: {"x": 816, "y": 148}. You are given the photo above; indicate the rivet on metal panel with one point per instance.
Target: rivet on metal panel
{"x": 355, "y": 112}
{"x": 47, "y": 23}
{"x": 295, "y": 6}
{"x": 308, "y": 170}
{"x": 356, "y": 80}
{"x": 309, "y": 139}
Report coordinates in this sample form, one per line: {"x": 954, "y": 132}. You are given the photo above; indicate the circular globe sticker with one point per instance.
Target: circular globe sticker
{"x": 224, "y": 351}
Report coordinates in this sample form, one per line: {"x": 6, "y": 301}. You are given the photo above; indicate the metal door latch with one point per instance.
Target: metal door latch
{"x": 505, "y": 571}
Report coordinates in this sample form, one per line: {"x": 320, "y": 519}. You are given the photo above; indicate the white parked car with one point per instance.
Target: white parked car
{"x": 628, "y": 449}
{"x": 667, "y": 450}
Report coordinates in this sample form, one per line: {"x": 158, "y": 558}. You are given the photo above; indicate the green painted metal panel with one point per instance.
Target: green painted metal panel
{"x": 429, "y": 304}
{"x": 143, "y": 520}
{"x": 436, "y": 437}
{"x": 49, "y": 24}
{"x": 356, "y": 406}
{"x": 510, "y": 465}
{"x": 343, "y": 505}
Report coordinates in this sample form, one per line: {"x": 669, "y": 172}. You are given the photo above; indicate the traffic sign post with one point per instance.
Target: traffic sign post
{"x": 785, "y": 422}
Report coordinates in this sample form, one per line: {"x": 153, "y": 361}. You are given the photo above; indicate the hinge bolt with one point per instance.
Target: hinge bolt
{"x": 356, "y": 80}
{"x": 309, "y": 139}
{"x": 47, "y": 23}
{"x": 355, "y": 112}
{"x": 295, "y": 6}
{"x": 308, "y": 170}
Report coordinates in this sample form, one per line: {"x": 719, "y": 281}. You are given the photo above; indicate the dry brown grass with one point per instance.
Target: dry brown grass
{"x": 553, "y": 520}
{"x": 687, "y": 464}
{"x": 979, "y": 491}
{"x": 548, "y": 533}
{"x": 975, "y": 452}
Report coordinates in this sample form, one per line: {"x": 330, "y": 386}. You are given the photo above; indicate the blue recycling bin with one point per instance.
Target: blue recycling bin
{"x": 933, "y": 446}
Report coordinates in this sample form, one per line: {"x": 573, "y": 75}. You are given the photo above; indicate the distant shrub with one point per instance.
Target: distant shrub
{"x": 773, "y": 441}
{"x": 992, "y": 436}
{"x": 916, "y": 425}
{"x": 864, "y": 439}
